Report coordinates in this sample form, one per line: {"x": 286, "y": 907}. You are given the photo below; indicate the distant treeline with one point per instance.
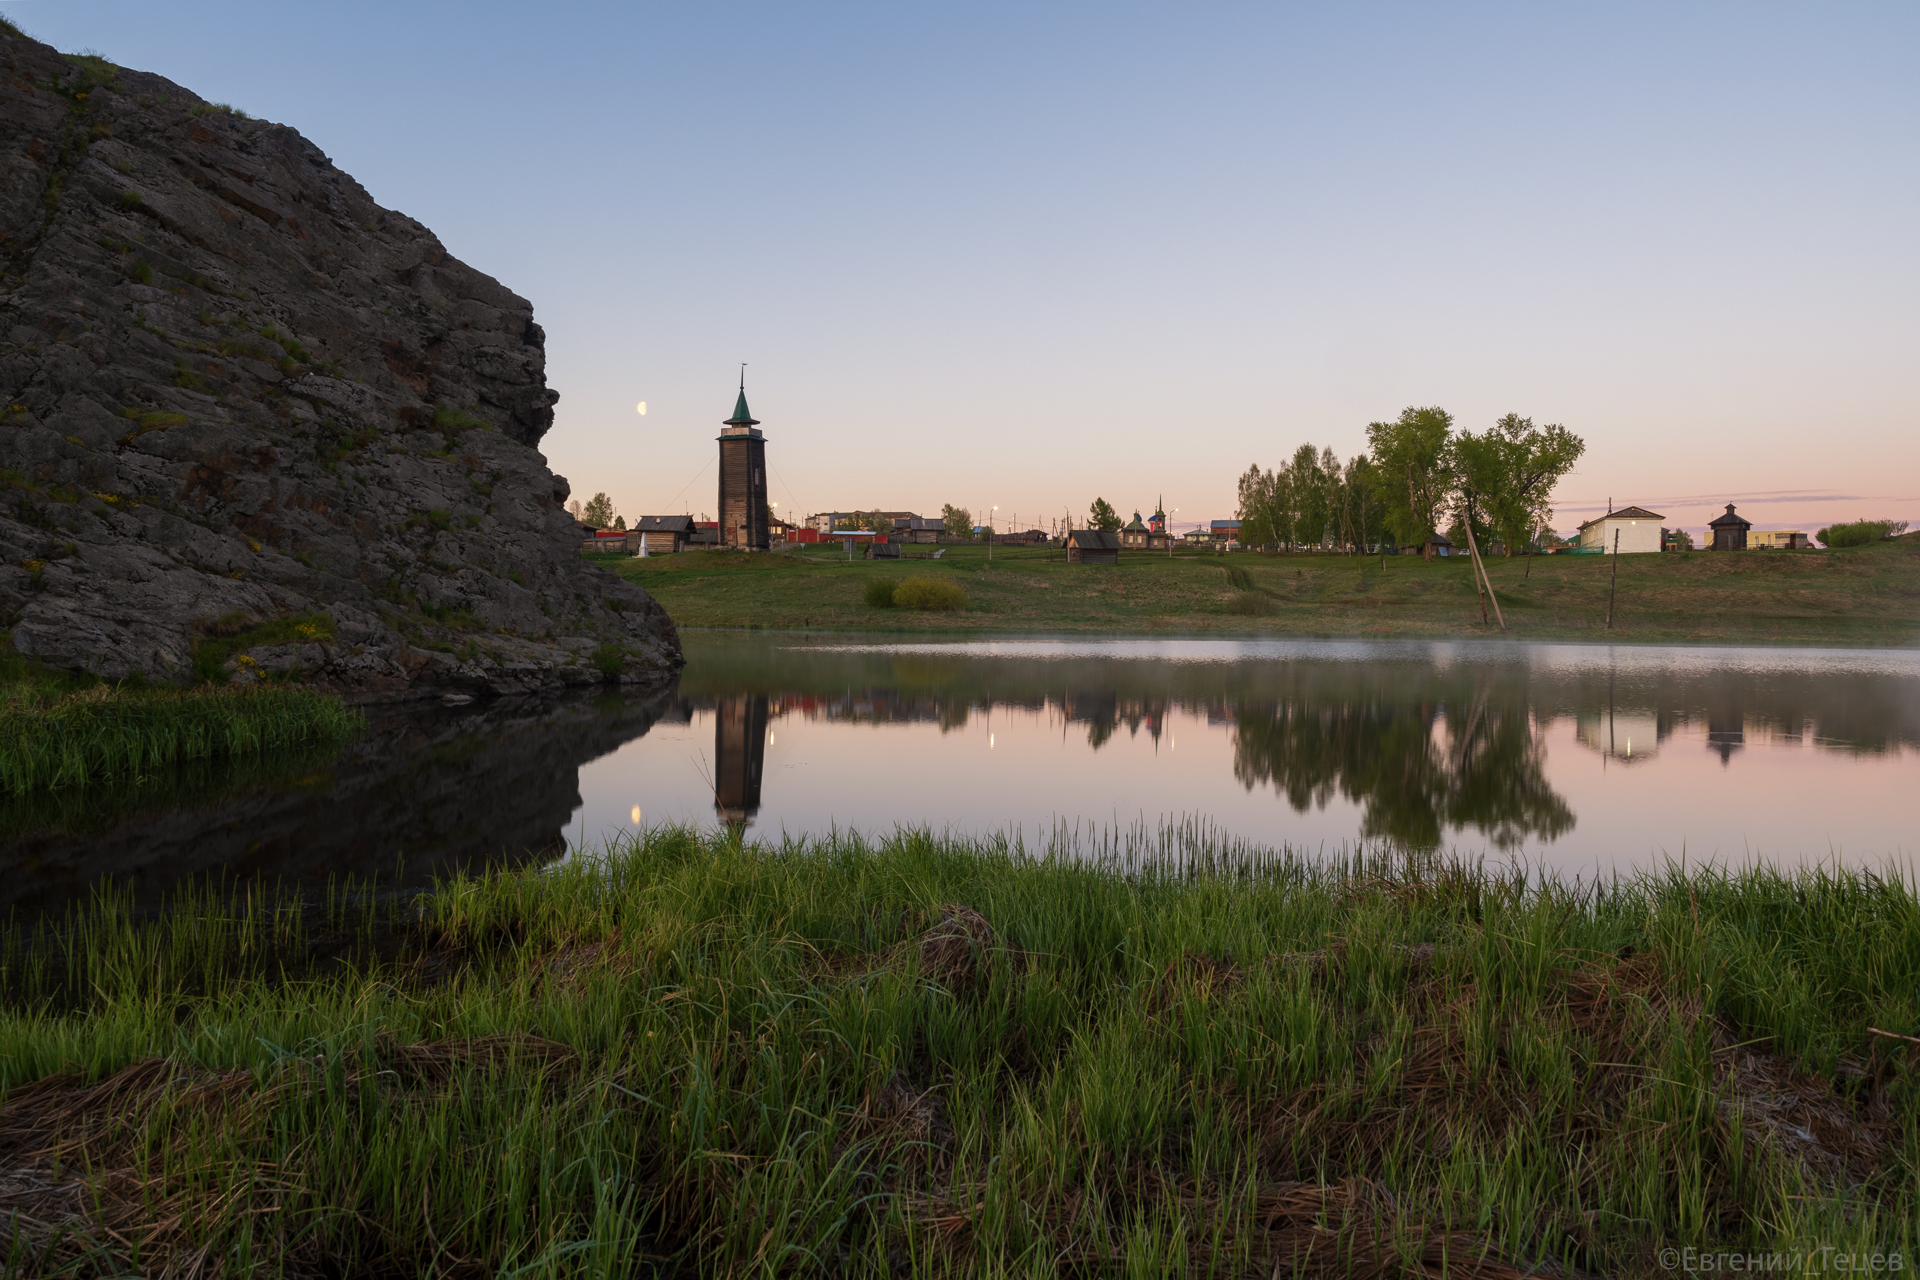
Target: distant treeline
{"x": 1417, "y": 474}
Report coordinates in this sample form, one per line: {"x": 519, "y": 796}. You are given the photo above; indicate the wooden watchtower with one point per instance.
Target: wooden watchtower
{"x": 743, "y": 480}
{"x": 1729, "y": 532}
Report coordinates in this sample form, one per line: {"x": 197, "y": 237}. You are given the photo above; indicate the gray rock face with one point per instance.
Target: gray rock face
{"x": 234, "y": 391}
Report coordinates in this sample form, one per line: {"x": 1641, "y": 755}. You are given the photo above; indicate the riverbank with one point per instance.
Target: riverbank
{"x": 934, "y": 1055}
{"x": 1858, "y": 596}
{"x": 62, "y": 731}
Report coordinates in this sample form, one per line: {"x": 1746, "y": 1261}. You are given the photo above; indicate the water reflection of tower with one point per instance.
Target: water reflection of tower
{"x": 1726, "y": 731}
{"x": 740, "y": 750}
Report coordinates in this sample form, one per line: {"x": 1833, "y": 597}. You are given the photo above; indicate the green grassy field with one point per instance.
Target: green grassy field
{"x": 1860, "y": 596}
{"x": 1174, "y": 1056}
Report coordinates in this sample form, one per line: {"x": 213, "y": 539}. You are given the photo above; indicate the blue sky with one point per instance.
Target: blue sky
{"x": 1021, "y": 255}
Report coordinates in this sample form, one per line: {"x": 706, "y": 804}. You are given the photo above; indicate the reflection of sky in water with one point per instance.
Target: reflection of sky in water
{"x": 1525, "y": 750}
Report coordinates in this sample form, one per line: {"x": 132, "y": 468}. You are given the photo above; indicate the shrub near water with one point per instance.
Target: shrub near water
{"x": 878, "y": 592}
{"x": 1171, "y": 1056}
{"x": 936, "y": 594}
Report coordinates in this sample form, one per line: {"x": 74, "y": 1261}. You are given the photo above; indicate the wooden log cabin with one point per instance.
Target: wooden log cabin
{"x": 1093, "y": 546}
{"x": 659, "y": 535}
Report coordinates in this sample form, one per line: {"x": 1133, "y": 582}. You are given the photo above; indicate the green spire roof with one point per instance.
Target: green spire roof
{"x": 741, "y": 418}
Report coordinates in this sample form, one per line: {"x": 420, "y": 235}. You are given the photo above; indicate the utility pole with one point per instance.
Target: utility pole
{"x": 1616, "y": 570}
{"x": 1478, "y": 589}
{"x": 1480, "y": 569}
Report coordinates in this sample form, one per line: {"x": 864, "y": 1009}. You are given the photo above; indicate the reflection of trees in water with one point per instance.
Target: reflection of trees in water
{"x": 1416, "y": 767}
{"x": 1851, "y": 711}
{"x": 1102, "y": 711}
{"x": 1424, "y": 744}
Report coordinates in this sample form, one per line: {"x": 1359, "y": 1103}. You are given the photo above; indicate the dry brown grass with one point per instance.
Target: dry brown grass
{"x": 80, "y": 1176}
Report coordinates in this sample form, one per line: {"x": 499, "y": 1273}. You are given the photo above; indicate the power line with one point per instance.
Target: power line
{"x": 689, "y": 484}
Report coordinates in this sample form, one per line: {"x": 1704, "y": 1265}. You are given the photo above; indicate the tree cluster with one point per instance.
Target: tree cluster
{"x": 598, "y": 512}
{"x": 1419, "y": 474}
{"x": 956, "y": 522}
{"x": 1860, "y": 533}
{"x": 1312, "y": 500}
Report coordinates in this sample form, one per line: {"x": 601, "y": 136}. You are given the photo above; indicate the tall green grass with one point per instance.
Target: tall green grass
{"x": 61, "y": 738}
{"x": 1153, "y": 1053}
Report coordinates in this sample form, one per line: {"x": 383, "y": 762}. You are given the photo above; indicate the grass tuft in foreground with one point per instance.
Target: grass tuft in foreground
{"x": 1164, "y": 1055}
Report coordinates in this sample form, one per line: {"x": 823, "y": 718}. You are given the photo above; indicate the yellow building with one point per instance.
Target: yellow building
{"x": 1781, "y": 539}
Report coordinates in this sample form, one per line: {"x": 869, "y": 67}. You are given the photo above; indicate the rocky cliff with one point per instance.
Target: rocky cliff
{"x": 251, "y": 419}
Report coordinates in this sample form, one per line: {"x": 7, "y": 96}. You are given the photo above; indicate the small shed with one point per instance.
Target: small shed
{"x": 883, "y": 549}
{"x": 1729, "y": 532}
{"x": 1093, "y": 546}
{"x": 659, "y": 535}
{"x": 1434, "y": 544}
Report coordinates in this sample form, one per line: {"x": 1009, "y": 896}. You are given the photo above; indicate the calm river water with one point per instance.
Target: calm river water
{"x": 1576, "y": 758}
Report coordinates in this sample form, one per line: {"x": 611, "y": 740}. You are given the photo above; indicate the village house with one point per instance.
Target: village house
{"x": 659, "y": 535}
{"x": 828, "y": 521}
{"x": 1226, "y": 532}
{"x": 1638, "y": 529}
{"x": 917, "y": 529}
{"x": 1093, "y": 546}
{"x": 1728, "y": 533}
{"x": 1141, "y": 535}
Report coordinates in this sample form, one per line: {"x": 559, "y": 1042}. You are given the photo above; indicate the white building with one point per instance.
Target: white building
{"x": 1639, "y": 530}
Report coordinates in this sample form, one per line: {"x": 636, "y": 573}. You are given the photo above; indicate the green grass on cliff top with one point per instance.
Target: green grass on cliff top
{"x": 1859, "y": 596}
{"x": 1167, "y": 1055}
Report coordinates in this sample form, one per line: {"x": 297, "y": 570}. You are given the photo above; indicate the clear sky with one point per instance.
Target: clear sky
{"x": 1020, "y": 255}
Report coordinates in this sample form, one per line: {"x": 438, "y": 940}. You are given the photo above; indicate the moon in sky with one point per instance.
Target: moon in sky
{"x": 643, "y": 408}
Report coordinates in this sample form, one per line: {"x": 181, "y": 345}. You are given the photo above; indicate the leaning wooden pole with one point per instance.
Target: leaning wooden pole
{"x": 1616, "y": 578}
{"x": 1481, "y": 570}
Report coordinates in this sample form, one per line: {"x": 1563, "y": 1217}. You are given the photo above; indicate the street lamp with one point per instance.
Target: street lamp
{"x": 990, "y": 534}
